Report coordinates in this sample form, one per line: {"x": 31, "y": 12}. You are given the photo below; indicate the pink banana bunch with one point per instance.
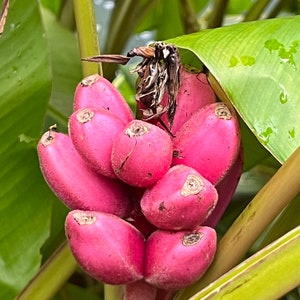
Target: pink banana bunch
{"x": 144, "y": 202}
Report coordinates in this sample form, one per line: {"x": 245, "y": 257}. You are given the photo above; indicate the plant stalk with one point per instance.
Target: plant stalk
{"x": 189, "y": 17}
{"x": 215, "y": 13}
{"x": 261, "y": 211}
{"x": 52, "y": 276}
{"x": 113, "y": 292}
{"x": 273, "y": 9}
{"x": 87, "y": 34}
{"x": 256, "y": 10}
{"x": 283, "y": 255}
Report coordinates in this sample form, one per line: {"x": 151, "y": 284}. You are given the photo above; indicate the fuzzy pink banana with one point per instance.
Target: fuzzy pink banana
{"x": 93, "y": 132}
{"x": 226, "y": 188}
{"x": 209, "y": 142}
{"x": 141, "y": 154}
{"x": 194, "y": 92}
{"x": 176, "y": 259}
{"x": 139, "y": 290}
{"x": 182, "y": 199}
{"x": 97, "y": 91}
{"x": 75, "y": 183}
{"x": 105, "y": 246}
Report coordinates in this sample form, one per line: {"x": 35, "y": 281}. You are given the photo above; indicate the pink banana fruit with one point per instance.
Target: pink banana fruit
{"x": 96, "y": 91}
{"x": 176, "y": 259}
{"x": 194, "y": 92}
{"x": 105, "y": 246}
{"x": 209, "y": 141}
{"x": 181, "y": 199}
{"x": 226, "y": 188}
{"x": 75, "y": 183}
{"x": 141, "y": 154}
{"x": 93, "y": 132}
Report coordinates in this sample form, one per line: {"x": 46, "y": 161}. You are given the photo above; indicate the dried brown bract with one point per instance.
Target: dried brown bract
{"x": 159, "y": 72}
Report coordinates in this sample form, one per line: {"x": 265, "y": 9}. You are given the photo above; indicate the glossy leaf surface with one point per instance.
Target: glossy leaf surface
{"x": 25, "y": 198}
{"x": 258, "y": 66}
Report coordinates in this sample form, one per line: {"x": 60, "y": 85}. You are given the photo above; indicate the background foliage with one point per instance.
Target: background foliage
{"x": 257, "y": 66}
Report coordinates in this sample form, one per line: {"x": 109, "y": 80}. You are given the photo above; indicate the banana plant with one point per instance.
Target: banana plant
{"x": 251, "y": 52}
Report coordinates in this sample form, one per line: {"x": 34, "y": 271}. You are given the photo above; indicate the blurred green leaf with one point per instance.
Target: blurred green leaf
{"x": 66, "y": 74}
{"x": 66, "y": 68}
{"x": 287, "y": 220}
{"x": 25, "y": 86}
{"x": 126, "y": 84}
{"x": 199, "y": 5}
{"x": 238, "y": 7}
{"x": 164, "y": 27}
{"x": 74, "y": 292}
{"x": 53, "y": 5}
{"x": 254, "y": 152}
{"x": 258, "y": 66}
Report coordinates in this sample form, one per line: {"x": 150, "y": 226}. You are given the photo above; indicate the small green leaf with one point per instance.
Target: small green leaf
{"x": 258, "y": 66}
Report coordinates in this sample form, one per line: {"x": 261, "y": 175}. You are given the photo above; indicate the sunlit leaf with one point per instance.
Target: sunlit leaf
{"x": 258, "y": 66}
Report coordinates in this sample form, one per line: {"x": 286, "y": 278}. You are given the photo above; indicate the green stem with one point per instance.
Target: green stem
{"x": 248, "y": 278}
{"x": 262, "y": 210}
{"x": 274, "y": 9}
{"x": 52, "y": 276}
{"x": 87, "y": 34}
{"x": 188, "y": 16}
{"x": 113, "y": 292}
{"x": 215, "y": 15}
{"x": 256, "y": 10}
{"x": 287, "y": 220}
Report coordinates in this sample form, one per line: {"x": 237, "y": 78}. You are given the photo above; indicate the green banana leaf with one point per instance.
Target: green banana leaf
{"x": 31, "y": 75}
{"x": 257, "y": 64}
{"x": 25, "y": 202}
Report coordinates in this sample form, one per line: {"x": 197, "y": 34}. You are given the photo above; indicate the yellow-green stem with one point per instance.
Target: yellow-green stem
{"x": 113, "y": 292}
{"x": 247, "y": 280}
{"x": 256, "y": 10}
{"x": 53, "y": 274}
{"x": 263, "y": 209}
{"x": 87, "y": 34}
